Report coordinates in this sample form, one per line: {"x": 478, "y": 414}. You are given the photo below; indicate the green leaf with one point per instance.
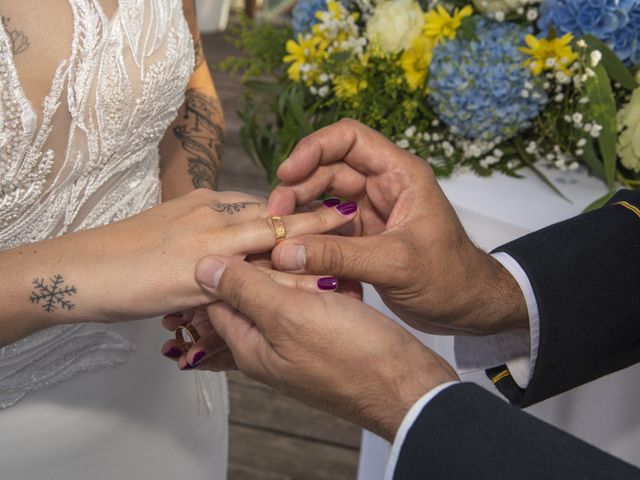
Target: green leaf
{"x": 591, "y": 159}
{"x": 529, "y": 161}
{"x": 603, "y": 111}
{"x": 601, "y": 201}
{"x": 263, "y": 87}
{"x": 467, "y": 29}
{"x": 612, "y": 64}
{"x": 295, "y": 105}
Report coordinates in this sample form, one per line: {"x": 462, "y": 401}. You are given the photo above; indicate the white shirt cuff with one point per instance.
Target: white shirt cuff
{"x": 406, "y": 425}
{"x": 518, "y": 350}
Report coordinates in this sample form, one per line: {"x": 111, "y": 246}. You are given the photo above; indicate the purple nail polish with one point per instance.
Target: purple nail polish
{"x": 173, "y": 352}
{"x": 188, "y": 367}
{"x": 347, "y": 208}
{"x": 197, "y": 358}
{"x": 331, "y": 202}
{"x": 175, "y": 314}
{"x": 327, "y": 283}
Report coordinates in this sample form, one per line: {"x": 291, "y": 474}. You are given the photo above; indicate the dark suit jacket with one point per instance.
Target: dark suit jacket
{"x": 585, "y": 273}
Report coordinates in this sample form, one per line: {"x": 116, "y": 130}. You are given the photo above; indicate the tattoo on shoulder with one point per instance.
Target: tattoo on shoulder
{"x": 19, "y": 40}
{"x": 52, "y": 294}
{"x": 202, "y": 137}
{"x": 231, "y": 208}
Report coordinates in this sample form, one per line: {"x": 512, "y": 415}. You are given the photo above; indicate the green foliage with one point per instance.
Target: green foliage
{"x": 263, "y": 45}
{"x": 372, "y": 88}
{"x": 614, "y": 67}
{"x": 603, "y": 111}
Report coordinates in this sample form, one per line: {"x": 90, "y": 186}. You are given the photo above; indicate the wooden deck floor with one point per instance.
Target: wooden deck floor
{"x": 272, "y": 437}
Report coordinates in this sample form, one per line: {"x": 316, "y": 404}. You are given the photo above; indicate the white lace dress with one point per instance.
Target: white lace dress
{"x": 88, "y": 157}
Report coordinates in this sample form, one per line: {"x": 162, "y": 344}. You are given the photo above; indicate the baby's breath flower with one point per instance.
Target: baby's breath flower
{"x": 596, "y": 57}
{"x": 404, "y": 143}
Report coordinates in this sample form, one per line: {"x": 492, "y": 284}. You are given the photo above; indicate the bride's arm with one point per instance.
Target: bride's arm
{"x": 139, "y": 267}
{"x": 191, "y": 149}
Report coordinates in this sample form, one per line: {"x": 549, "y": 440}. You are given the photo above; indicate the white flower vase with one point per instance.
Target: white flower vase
{"x": 213, "y": 15}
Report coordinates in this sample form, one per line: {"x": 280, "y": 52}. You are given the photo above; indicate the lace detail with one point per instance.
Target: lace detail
{"x": 115, "y": 96}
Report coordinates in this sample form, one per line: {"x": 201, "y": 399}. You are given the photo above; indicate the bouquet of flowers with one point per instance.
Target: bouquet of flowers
{"x": 482, "y": 85}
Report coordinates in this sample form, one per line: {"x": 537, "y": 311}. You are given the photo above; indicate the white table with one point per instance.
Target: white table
{"x": 495, "y": 211}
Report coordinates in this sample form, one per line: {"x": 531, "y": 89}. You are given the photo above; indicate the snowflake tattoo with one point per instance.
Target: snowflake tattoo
{"x": 52, "y": 295}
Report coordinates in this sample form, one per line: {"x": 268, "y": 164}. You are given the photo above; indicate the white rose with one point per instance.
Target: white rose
{"x": 493, "y": 6}
{"x": 395, "y": 24}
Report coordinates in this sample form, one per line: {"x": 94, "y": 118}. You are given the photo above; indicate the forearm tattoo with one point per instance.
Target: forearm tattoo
{"x": 202, "y": 137}
{"x": 52, "y": 294}
{"x": 19, "y": 40}
{"x": 199, "y": 53}
{"x": 231, "y": 208}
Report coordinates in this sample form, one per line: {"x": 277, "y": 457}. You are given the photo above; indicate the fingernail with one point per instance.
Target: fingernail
{"x": 197, "y": 358}
{"x": 175, "y": 314}
{"x": 347, "y": 208}
{"x": 284, "y": 163}
{"x": 188, "y": 367}
{"x": 292, "y": 257}
{"x": 327, "y": 283}
{"x": 331, "y": 202}
{"x": 173, "y": 352}
{"x": 209, "y": 272}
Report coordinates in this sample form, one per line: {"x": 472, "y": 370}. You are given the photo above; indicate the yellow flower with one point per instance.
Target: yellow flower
{"x": 334, "y": 8}
{"x": 549, "y": 54}
{"x": 346, "y": 87}
{"x": 439, "y": 24}
{"x": 629, "y": 139}
{"x": 303, "y": 52}
{"x": 415, "y": 61}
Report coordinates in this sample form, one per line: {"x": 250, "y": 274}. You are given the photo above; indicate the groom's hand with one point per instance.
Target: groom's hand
{"x": 413, "y": 248}
{"x": 327, "y": 350}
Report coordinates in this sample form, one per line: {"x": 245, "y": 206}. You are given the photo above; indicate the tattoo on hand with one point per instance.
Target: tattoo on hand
{"x": 202, "y": 137}
{"x": 52, "y": 293}
{"x": 231, "y": 208}
{"x": 19, "y": 40}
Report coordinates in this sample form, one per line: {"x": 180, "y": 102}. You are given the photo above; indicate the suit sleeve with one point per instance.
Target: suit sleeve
{"x": 466, "y": 432}
{"x": 585, "y": 273}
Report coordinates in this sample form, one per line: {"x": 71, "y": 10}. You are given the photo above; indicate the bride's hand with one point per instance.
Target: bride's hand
{"x": 210, "y": 352}
{"x": 144, "y": 266}
{"x": 160, "y": 248}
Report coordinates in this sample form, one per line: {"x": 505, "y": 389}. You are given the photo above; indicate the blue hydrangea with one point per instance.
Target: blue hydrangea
{"x": 304, "y": 14}
{"x": 616, "y": 22}
{"x": 480, "y": 88}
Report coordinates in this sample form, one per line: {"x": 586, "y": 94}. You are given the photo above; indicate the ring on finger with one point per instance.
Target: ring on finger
{"x": 186, "y": 331}
{"x": 278, "y": 227}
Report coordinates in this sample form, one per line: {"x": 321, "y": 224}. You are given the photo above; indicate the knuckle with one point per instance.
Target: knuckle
{"x": 328, "y": 257}
{"x": 236, "y": 288}
{"x": 204, "y": 194}
{"x": 325, "y": 219}
{"x": 201, "y": 211}
{"x": 349, "y": 123}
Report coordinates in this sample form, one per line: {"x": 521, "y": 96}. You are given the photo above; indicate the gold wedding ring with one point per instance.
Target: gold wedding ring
{"x": 279, "y": 230}
{"x": 185, "y": 332}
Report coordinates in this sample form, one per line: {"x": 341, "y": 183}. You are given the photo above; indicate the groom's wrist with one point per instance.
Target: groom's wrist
{"x": 494, "y": 302}
{"x": 397, "y": 390}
